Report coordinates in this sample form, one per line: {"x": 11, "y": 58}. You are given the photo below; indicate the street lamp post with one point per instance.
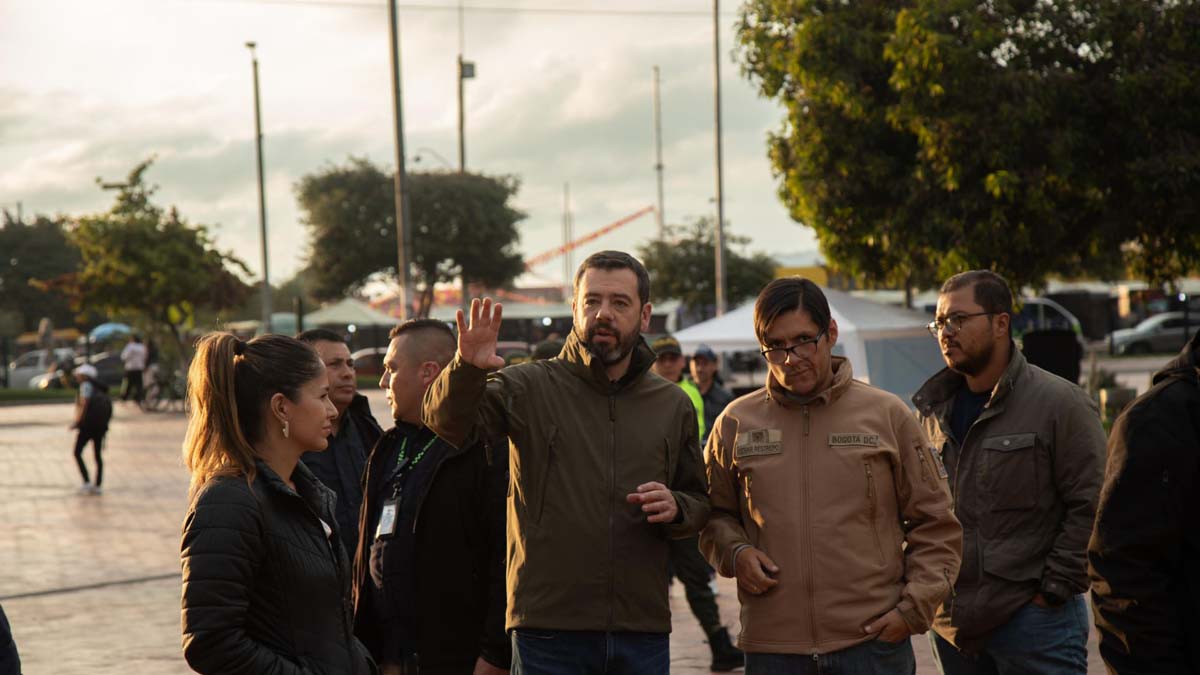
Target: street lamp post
{"x": 262, "y": 197}
{"x": 720, "y": 252}
{"x": 403, "y": 231}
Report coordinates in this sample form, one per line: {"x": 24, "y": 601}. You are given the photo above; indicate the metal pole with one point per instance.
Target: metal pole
{"x": 262, "y": 196}
{"x": 658, "y": 163}
{"x": 403, "y": 231}
{"x": 462, "y": 145}
{"x": 720, "y": 252}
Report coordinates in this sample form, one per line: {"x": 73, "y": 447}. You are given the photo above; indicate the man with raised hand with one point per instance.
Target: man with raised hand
{"x": 605, "y": 468}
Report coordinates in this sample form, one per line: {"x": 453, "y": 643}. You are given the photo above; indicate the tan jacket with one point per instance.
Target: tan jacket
{"x": 842, "y": 492}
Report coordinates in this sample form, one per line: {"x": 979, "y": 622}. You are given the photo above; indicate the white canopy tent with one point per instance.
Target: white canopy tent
{"x": 888, "y": 347}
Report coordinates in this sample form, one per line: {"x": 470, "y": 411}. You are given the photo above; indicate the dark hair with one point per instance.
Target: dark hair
{"x": 616, "y": 260}
{"x": 433, "y": 340}
{"x": 313, "y": 335}
{"x": 991, "y": 291}
{"x": 228, "y": 383}
{"x": 788, "y": 294}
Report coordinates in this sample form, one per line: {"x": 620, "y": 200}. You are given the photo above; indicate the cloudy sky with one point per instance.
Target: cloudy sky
{"x": 88, "y": 89}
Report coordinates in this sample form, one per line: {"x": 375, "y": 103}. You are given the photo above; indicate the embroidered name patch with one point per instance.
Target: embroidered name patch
{"x": 846, "y": 440}
{"x": 937, "y": 461}
{"x": 759, "y": 442}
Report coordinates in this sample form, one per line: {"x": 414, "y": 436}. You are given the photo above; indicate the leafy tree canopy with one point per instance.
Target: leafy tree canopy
{"x": 462, "y": 224}
{"x": 1034, "y": 138}
{"x": 139, "y": 260}
{"x": 683, "y": 265}
{"x": 35, "y": 251}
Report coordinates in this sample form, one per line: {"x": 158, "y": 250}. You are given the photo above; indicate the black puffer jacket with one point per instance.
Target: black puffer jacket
{"x": 1144, "y": 556}
{"x": 265, "y": 591}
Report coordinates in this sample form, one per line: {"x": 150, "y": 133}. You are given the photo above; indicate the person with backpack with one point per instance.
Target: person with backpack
{"x": 93, "y": 410}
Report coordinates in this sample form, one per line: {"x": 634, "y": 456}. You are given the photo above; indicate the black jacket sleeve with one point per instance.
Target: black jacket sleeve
{"x": 222, "y": 548}
{"x": 1135, "y": 554}
{"x": 495, "y": 647}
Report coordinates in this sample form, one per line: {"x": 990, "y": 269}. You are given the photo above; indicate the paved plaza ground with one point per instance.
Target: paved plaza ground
{"x": 91, "y": 584}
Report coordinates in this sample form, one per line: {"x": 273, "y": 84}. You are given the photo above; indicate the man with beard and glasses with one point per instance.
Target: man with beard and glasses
{"x": 1024, "y": 451}
{"x": 605, "y": 469}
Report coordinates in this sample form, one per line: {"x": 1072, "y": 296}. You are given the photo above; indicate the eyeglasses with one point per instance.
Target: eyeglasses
{"x": 954, "y": 322}
{"x": 801, "y": 349}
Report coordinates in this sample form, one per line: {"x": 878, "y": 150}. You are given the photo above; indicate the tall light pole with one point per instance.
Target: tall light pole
{"x": 403, "y": 231}
{"x": 658, "y": 163}
{"x": 466, "y": 71}
{"x": 720, "y": 252}
{"x": 262, "y": 196}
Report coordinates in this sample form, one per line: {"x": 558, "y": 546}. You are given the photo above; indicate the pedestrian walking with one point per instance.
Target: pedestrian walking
{"x": 1145, "y": 548}
{"x": 1023, "y": 450}
{"x": 340, "y": 466}
{"x": 429, "y": 570}
{"x": 605, "y": 468}
{"x": 686, "y": 562}
{"x": 266, "y": 580}
{"x": 828, "y": 507}
{"x": 93, "y": 412}
{"x": 133, "y": 357}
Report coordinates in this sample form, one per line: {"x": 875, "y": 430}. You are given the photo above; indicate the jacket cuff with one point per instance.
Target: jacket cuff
{"x": 915, "y": 622}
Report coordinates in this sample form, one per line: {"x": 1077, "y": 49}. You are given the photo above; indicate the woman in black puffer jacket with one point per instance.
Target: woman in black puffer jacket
{"x": 266, "y": 581}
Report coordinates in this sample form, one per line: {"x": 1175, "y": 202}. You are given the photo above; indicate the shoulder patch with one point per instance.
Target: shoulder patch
{"x": 937, "y": 462}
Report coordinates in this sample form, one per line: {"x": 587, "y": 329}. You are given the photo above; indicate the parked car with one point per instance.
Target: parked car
{"x": 1157, "y": 334}
{"x": 369, "y": 361}
{"x": 1044, "y": 314}
{"x": 109, "y": 370}
{"x": 31, "y": 365}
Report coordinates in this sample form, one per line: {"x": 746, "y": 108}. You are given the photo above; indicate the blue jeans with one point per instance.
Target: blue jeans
{"x": 869, "y": 658}
{"x": 570, "y": 652}
{"x": 1035, "y": 641}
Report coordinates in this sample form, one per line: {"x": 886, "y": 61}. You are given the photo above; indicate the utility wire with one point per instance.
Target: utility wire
{"x": 490, "y": 9}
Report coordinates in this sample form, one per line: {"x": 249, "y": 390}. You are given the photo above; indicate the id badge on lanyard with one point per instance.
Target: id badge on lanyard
{"x": 391, "y": 507}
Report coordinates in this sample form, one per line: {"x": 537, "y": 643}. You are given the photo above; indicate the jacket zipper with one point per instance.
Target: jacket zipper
{"x": 871, "y": 499}
{"x": 926, "y": 471}
{"x": 337, "y": 566}
{"x": 808, "y": 571}
{"x": 953, "y": 594}
{"x": 612, "y": 496}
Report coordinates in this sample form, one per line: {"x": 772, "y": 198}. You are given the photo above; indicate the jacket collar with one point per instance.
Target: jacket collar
{"x": 1187, "y": 363}
{"x": 308, "y": 488}
{"x": 842, "y": 376}
{"x": 580, "y": 361}
{"x": 938, "y": 391}
{"x": 391, "y": 438}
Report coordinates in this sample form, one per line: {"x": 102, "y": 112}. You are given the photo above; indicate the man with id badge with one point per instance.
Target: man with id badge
{"x": 429, "y": 570}
{"x": 827, "y": 506}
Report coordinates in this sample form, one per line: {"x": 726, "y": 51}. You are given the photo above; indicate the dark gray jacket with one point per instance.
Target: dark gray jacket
{"x": 265, "y": 591}
{"x": 1025, "y": 482}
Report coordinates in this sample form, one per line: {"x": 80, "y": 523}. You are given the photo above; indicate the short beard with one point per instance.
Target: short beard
{"x": 974, "y": 364}
{"x": 609, "y": 355}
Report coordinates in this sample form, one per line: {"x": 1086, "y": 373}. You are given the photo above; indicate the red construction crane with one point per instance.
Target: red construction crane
{"x": 553, "y": 253}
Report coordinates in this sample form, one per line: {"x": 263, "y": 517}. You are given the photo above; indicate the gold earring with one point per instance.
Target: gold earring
{"x": 285, "y": 429}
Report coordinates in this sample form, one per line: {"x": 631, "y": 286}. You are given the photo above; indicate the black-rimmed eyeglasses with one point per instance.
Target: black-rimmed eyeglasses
{"x": 954, "y": 322}
{"x": 800, "y": 349}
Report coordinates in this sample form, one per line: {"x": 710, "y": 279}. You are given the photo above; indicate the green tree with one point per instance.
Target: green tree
{"x": 683, "y": 265}
{"x": 1034, "y": 138}
{"x": 139, "y": 260}
{"x": 462, "y": 224}
{"x": 35, "y": 251}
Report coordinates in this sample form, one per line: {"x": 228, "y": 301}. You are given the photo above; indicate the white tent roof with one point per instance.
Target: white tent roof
{"x": 887, "y": 346}
{"x": 349, "y": 311}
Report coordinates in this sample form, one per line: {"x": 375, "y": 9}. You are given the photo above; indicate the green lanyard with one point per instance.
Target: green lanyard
{"x": 402, "y": 459}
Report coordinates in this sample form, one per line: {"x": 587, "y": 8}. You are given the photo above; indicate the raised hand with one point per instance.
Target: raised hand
{"x": 477, "y": 339}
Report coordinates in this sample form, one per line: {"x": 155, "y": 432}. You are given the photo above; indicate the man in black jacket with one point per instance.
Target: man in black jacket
{"x": 429, "y": 569}
{"x": 1144, "y": 555}
{"x": 340, "y": 466}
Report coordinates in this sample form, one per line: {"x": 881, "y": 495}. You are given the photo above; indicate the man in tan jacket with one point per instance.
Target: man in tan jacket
{"x": 827, "y": 505}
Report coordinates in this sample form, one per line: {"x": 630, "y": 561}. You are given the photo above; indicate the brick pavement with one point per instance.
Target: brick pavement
{"x": 91, "y": 584}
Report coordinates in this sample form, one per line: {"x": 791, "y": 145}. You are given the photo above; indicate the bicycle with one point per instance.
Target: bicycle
{"x": 165, "y": 392}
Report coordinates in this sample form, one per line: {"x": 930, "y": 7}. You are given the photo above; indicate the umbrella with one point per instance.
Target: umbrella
{"x": 108, "y": 331}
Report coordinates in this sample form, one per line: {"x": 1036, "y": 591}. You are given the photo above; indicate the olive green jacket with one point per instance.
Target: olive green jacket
{"x": 580, "y": 557}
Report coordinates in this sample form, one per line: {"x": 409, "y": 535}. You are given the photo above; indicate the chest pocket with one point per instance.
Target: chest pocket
{"x": 1011, "y": 471}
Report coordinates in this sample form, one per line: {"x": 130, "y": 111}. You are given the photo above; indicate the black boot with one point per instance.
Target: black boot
{"x": 725, "y": 656}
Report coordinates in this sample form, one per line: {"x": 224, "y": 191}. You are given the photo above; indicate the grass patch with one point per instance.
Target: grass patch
{"x": 368, "y": 382}
{"x": 19, "y": 396}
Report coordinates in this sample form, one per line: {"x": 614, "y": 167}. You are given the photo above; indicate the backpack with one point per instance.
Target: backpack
{"x": 99, "y": 410}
